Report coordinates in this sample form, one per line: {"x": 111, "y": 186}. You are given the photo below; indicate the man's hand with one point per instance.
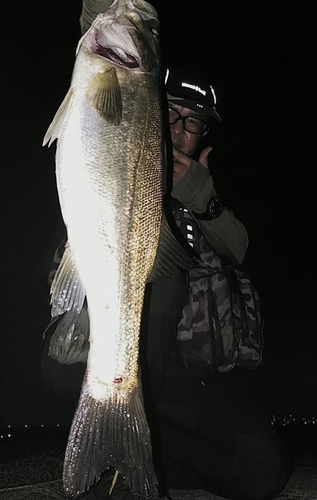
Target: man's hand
{"x": 203, "y": 158}
{"x": 182, "y": 163}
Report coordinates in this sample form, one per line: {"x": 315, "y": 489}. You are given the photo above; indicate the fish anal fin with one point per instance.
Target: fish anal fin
{"x": 54, "y": 129}
{"x": 104, "y": 94}
{"x": 67, "y": 292}
{"x": 110, "y": 433}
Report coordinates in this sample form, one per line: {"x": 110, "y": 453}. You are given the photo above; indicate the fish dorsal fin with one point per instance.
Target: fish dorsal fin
{"x": 54, "y": 129}
{"x": 104, "y": 93}
{"x": 67, "y": 292}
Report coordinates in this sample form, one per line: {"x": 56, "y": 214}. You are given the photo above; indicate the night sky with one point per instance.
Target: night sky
{"x": 259, "y": 58}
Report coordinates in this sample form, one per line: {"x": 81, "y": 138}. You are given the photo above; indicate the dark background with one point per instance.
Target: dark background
{"x": 259, "y": 57}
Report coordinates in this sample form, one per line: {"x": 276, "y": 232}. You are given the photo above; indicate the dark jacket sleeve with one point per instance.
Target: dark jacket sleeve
{"x": 90, "y": 10}
{"x": 226, "y": 234}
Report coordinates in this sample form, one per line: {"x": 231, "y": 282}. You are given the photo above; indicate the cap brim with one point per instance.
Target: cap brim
{"x": 207, "y": 112}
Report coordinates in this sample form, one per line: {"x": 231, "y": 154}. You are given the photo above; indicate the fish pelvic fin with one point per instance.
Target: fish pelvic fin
{"x": 110, "y": 433}
{"x": 54, "y": 129}
{"x": 69, "y": 343}
{"x": 104, "y": 94}
{"x": 67, "y": 292}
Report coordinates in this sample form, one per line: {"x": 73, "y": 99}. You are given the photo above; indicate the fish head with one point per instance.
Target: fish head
{"x": 126, "y": 35}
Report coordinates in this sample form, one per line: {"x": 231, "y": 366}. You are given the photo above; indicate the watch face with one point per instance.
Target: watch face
{"x": 216, "y": 207}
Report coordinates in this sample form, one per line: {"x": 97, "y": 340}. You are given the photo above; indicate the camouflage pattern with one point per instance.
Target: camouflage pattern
{"x": 248, "y": 325}
{"x": 221, "y": 322}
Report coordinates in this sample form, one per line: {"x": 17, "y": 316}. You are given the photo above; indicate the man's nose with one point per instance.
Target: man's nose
{"x": 178, "y": 127}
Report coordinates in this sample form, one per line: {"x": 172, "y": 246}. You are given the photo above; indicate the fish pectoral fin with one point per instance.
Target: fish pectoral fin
{"x": 54, "y": 129}
{"x": 67, "y": 292}
{"x": 110, "y": 432}
{"x": 173, "y": 256}
{"x": 104, "y": 94}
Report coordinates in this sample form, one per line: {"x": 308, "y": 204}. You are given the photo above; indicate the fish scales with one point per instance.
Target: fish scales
{"x": 109, "y": 169}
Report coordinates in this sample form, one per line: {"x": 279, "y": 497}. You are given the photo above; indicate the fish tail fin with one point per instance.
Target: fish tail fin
{"x": 110, "y": 433}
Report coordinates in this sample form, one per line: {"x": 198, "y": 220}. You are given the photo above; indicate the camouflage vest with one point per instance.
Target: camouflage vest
{"x": 221, "y": 323}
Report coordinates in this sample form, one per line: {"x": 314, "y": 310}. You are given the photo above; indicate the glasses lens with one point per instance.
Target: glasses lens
{"x": 173, "y": 116}
{"x": 194, "y": 124}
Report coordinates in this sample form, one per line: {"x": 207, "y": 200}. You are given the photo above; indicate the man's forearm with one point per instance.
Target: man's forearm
{"x": 195, "y": 189}
{"x": 90, "y": 10}
{"x": 226, "y": 234}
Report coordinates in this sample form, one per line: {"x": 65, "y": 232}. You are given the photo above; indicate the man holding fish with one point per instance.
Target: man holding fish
{"x": 206, "y": 434}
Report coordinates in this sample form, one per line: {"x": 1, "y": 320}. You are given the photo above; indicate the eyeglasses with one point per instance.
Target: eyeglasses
{"x": 192, "y": 124}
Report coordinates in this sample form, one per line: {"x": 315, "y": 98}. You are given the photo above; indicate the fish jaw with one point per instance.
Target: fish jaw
{"x": 115, "y": 36}
{"x": 116, "y": 55}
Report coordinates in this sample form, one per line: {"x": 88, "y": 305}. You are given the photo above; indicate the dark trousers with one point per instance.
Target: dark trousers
{"x": 210, "y": 431}
{"x": 215, "y": 436}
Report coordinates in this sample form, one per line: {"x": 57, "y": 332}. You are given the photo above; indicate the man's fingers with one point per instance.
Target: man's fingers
{"x": 179, "y": 170}
{"x": 181, "y": 157}
{"x": 203, "y": 158}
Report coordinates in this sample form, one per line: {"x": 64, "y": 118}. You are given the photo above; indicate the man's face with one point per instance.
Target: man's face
{"x": 184, "y": 141}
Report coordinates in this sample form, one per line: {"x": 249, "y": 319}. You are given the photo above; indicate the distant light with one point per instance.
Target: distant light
{"x": 167, "y": 75}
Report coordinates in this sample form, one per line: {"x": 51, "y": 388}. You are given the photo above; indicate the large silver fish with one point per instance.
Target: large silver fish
{"x": 109, "y": 168}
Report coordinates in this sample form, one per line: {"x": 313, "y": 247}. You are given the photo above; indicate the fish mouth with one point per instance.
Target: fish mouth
{"x": 116, "y": 55}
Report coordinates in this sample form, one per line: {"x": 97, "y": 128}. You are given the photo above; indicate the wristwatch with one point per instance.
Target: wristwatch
{"x": 214, "y": 209}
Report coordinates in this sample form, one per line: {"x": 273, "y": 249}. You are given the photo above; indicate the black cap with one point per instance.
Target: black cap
{"x": 192, "y": 92}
